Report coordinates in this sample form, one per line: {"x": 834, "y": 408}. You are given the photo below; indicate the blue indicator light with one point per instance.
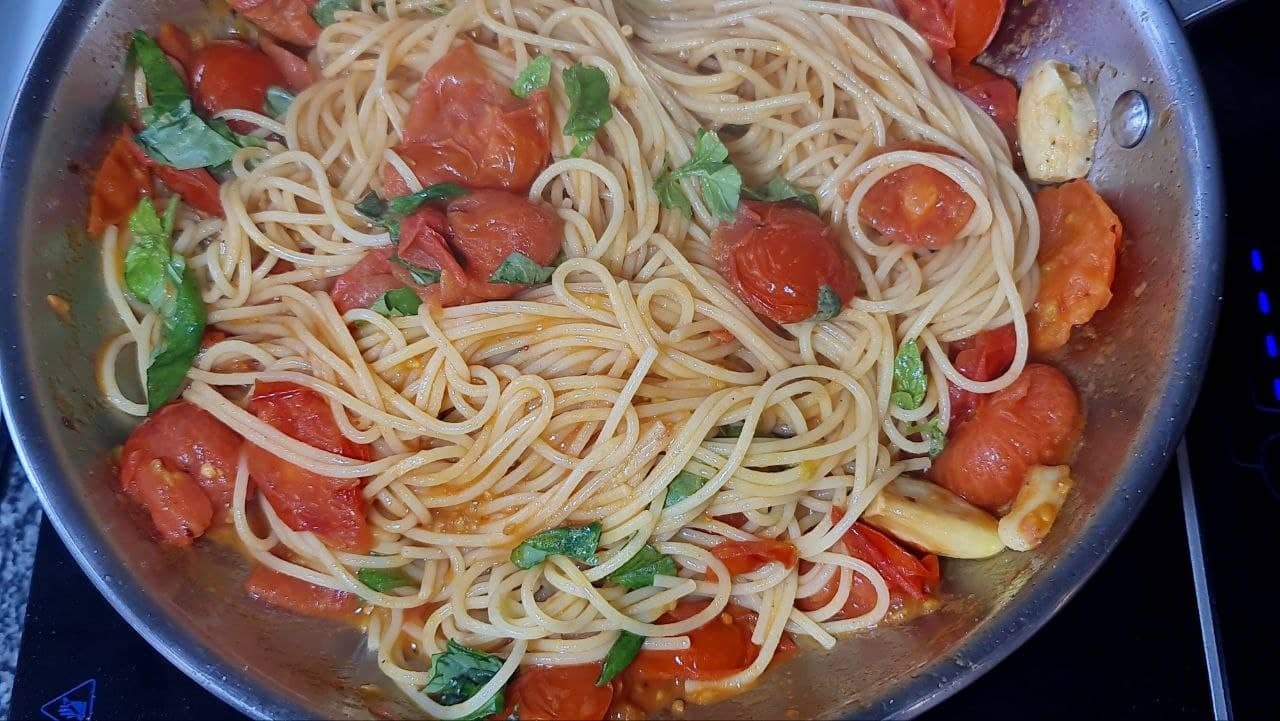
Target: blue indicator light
{"x": 1255, "y": 259}
{"x": 1264, "y": 302}
{"x": 1275, "y": 387}
{"x": 1271, "y": 346}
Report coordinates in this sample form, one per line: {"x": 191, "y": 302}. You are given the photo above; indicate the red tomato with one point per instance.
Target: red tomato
{"x": 295, "y": 594}
{"x": 975, "y": 23}
{"x": 464, "y": 127}
{"x": 983, "y": 357}
{"x": 996, "y": 96}
{"x": 917, "y": 205}
{"x": 746, "y": 556}
{"x": 183, "y": 445}
{"x": 332, "y": 508}
{"x": 176, "y": 43}
{"x": 716, "y": 650}
{"x": 196, "y": 186}
{"x": 229, "y": 74}
{"x": 1035, "y": 421}
{"x": 776, "y": 257}
{"x": 556, "y": 693}
{"x": 861, "y": 599}
{"x": 1079, "y": 235}
{"x": 119, "y": 184}
{"x": 295, "y": 70}
{"x": 289, "y": 20}
{"x": 931, "y": 20}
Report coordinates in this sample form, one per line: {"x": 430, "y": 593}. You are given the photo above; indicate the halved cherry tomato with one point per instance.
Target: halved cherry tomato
{"x": 917, "y": 205}
{"x": 996, "y": 96}
{"x": 931, "y": 19}
{"x": 179, "y": 465}
{"x": 176, "y": 43}
{"x": 229, "y": 74}
{"x": 295, "y": 594}
{"x": 464, "y": 127}
{"x": 975, "y": 23}
{"x": 557, "y": 693}
{"x": 289, "y": 20}
{"x": 981, "y": 358}
{"x": 861, "y": 599}
{"x": 196, "y": 186}
{"x": 119, "y": 184}
{"x": 332, "y": 508}
{"x": 296, "y": 71}
{"x": 746, "y": 556}
{"x": 1035, "y": 421}
{"x": 777, "y": 256}
{"x": 1079, "y": 235}
{"x": 716, "y": 650}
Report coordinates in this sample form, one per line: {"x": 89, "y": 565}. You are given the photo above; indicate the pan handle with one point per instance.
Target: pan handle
{"x": 1189, "y": 11}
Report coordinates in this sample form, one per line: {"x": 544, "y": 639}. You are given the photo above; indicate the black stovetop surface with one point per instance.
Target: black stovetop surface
{"x": 1138, "y": 641}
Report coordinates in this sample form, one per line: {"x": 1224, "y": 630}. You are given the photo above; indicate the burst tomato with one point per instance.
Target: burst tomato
{"x": 1035, "y": 421}
{"x": 229, "y": 74}
{"x": 907, "y": 577}
{"x": 720, "y": 648}
{"x": 1079, "y": 236}
{"x": 981, "y": 358}
{"x": 931, "y": 20}
{"x": 195, "y": 186}
{"x": 289, "y": 20}
{"x": 119, "y": 184}
{"x": 975, "y": 23}
{"x": 464, "y": 127}
{"x": 917, "y": 205}
{"x": 176, "y": 43}
{"x": 295, "y": 70}
{"x": 299, "y": 596}
{"x": 777, "y": 256}
{"x": 332, "y": 508}
{"x": 996, "y": 96}
{"x": 558, "y": 693}
{"x": 746, "y": 556}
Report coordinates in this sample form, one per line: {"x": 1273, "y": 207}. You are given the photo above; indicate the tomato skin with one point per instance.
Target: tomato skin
{"x": 558, "y": 693}
{"x": 1079, "y": 237}
{"x": 931, "y": 19}
{"x": 983, "y": 357}
{"x": 776, "y": 256}
{"x": 176, "y": 43}
{"x": 995, "y": 95}
{"x": 746, "y": 556}
{"x": 119, "y": 184}
{"x": 296, "y": 71}
{"x": 975, "y": 23}
{"x": 178, "y": 508}
{"x": 295, "y": 594}
{"x": 1035, "y": 421}
{"x": 196, "y": 186}
{"x": 464, "y": 127}
{"x": 718, "y": 649}
{"x": 332, "y": 508}
{"x": 289, "y": 20}
{"x": 229, "y": 74}
{"x": 917, "y": 205}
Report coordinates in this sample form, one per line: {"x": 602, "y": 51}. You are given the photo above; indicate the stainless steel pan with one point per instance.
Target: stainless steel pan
{"x": 1139, "y": 375}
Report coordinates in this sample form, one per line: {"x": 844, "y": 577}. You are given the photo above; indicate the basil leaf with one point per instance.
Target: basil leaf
{"x": 148, "y": 255}
{"x": 520, "y": 269}
{"x": 219, "y": 126}
{"x": 397, "y": 303}
{"x": 421, "y": 275}
{"x": 371, "y": 206}
{"x": 278, "y": 101}
{"x": 909, "y": 383}
{"x": 779, "y": 189}
{"x": 621, "y": 654}
{"x": 589, "y": 109}
{"x": 719, "y": 181}
{"x": 671, "y": 195}
{"x": 180, "y": 139}
{"x": 639, "y": 570}
{"x": 709, "y": 154}
{"x": 535, "y": 75}
{"x": 164, "y": 85}
{"x": 731, "y": 430}
{"x": 406, "y": 204}
{"x": 721, "y": 190}
{"x": 324, "y": 11}
{"x": 932, "y": 431}
{"x": 685, "y": 484}
{"x": 383, "y": 579}
{"x": 577, "y": 542}
{"x": 829, "y": 303}
{"x": 458, "y": 672}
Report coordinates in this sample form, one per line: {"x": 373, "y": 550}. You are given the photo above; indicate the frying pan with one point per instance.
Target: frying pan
{"x": 1138, "y": 368}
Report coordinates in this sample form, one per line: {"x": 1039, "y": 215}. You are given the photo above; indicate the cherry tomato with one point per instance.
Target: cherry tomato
{"x": 289, "y": 20}
{"x": 931, "y": 20}
{"x": 295, "y": 594}
{"x": 1035, "y": 421}
{"x": 176, "y": 43}
{"x": 333, "y": 508}
{"x": 776, "y": 257}
{"x": 119, "y": 184}
{"x": 195, "y": 186}
{"x": 229, "y": 74}
{"x": 464, "y": 127}
{"x": 178, "y": 448}
{"x": 746, "y": 556}
{"x": 1079, "y": 235}
{"x": 983, "y": 357}
{"x": 917, "y": 205}
{"x": 861, "y": 599}
{"x": 557, "y": 693}
{"x": 295, "y": 70}
{"x": 718, "y": 649}
{"x": 975, "y": 23}
{"x": 996, "y": 96}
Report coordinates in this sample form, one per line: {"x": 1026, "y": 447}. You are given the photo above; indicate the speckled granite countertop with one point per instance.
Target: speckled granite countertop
{"x": 19, "y": 525}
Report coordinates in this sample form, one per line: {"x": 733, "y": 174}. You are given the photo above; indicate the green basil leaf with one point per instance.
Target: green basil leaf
{"x": 779, "y": 189}
{"x": 397, "y": 303}
{"x": 219, "y": 126}
{"x": 535, "y": 75}
{"x": 372, "y": 207}
{"x": 671, "y": 195}
{"x": 639, "y": 570}
{"x": 721, "y": 190}
{"x": 909, "y": 382}
{"x": 383, "y": 579}
{"x": 577, "y": 542}
{"x": 458, "y": 672}
{"x": 829, "y": 303}
{"x": 685, "y": 484}
{"x": 164, "y": 85}
{"x": 421, "y": 275}
{"x": 932, "y": 431}
{"x": 145, "y": 261}
{"x": 588, "y": 90}
{"x": 709, "y": 155}
{"x": 180, "y": 139}
{"x": 278, "y": 101}
{"x": 406, "y": 204}
{"x": 520, "y": 269}
{"x": 621, "y": 654}
{"x": 324, "y": 11}
{"x": 719, "y": 181}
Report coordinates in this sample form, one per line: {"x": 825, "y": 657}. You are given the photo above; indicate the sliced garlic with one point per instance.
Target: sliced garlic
{"x": 1036, "y": 507}
{"x": 930, "y": 517}
{"x": 1057, "y": 123}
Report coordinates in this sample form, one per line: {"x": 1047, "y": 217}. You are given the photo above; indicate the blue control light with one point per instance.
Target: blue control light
{"x": 1271, "y": 346}
{"x": 1264, "y": 302}
{"x": 1255, "y": 259}
{"x": 1275, "y": 387}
